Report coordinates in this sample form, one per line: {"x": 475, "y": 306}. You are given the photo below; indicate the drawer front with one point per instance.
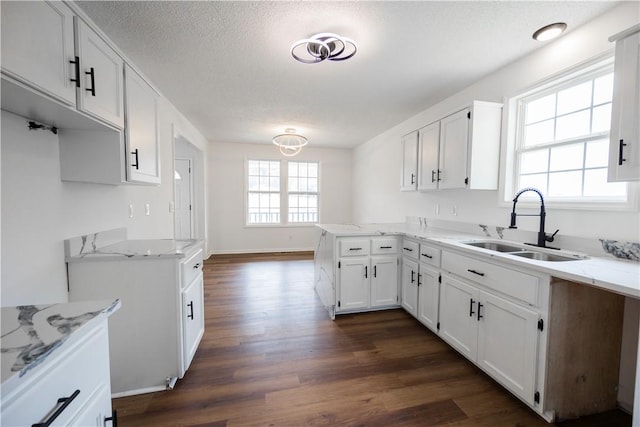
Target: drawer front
{"x": 410, "y": 249}
{"x": 353, "y": 247}
{"x": 84, "y": 366}
{"x": 430, "y": 255}
{"x": 384, "y": 245}
{"x": 191, "y": 267}
{"x": 516, "y": 284}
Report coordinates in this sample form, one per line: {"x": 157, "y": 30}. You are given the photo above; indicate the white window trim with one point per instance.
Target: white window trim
{"x": 508, "y": 166}
{"x": 284, "y": 194}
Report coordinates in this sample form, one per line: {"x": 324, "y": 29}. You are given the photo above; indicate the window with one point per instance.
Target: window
{"x": 282, "y": 192}
{"x": 562, "y": 139}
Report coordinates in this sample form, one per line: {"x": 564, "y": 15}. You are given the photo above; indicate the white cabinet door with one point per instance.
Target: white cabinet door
{"x": 410, "y": 286}
{"x": 37, "y": 46}
{"x": 354, "y": 283}
{"x": 458, "y": 316}
{"x": 507, "y": 344}
{"x": 101, "y": 69}
{"x": 97, "y": 412}
{"x": 624, "y": 152}
{"x": 409, "y": 172}
{"x": 384, "y": 281}
{"x": 454, "y": 136}
{"x": 141, "y": 131}
{"x": 192, "y": 319}
{"x": 428, "y": 147}
{"x": 428, "y": 296}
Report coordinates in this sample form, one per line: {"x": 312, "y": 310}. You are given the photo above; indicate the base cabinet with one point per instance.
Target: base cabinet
{"x": 192, "y": 319}
{"x": 353, "y": 278}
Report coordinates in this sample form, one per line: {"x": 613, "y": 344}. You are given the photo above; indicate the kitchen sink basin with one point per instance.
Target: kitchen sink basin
{"x": 495, "y": 246}
{"x": 543, "y": 256}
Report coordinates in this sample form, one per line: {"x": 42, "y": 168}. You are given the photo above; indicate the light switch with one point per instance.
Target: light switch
{"x": 130, "y": 211}
{"x": 147, "y": 209}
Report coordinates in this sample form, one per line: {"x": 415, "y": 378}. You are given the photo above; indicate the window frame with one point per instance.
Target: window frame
{"x": 513, "y": 117}
{"x": 284, "y": 194}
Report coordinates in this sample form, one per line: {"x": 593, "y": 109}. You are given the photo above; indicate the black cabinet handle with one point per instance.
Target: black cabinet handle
{"x": 351, "y": 249}
{"x": 419, "y": 280}
{"x": 413, "y": 178}
{"x": 621, "y": 158}
{"x": 413, "y": 276}
{"x": 375, "y": 271}
{"x": 475, "y": 272}
{"x": 76, "y": 67}
{"x": 471, "y": 312}
{"x": 135, "y": 154}
{"x": 433, "y": 176}
{"x": 408, "y": 249}
{"x": 66, "y": 401}
{"x": 190, "y": 305}
{"x": 196, "y": 266}
{"x": 92, "y": 89}
{"x": 480, "y": 316}
{"x": 386, "y": 247}
{"x": 438, "y": 179}
{"x": 113, "y": 418}
{"x": 366, "y": 271}
{"x": 428, "y": 256}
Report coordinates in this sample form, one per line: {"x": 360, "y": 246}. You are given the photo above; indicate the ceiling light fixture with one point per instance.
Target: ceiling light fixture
{"x": 290, "y": 142}
{"x": 550, "y": 31}
{"x": 323, "y": 46}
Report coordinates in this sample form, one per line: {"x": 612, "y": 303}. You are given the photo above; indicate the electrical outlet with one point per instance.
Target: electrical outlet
{"x": 454, "y": 211}
{"x": 130, "y": 211}
{"x": 147, "y": 209}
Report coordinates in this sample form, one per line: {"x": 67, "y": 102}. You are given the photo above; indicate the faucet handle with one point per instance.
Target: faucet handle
{"x": 550, "y": 238}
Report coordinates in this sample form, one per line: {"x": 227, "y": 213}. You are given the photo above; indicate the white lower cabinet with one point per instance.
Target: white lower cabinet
{"x": 458, "y": 309}
{"x": 428, "y": 296}
{"x": 354, "y": 283}
{"x": 384, "y": 281}
{"x": 421, "y": 282}
{"x": 410, "y": 286}
{"x": 192, "y": 319}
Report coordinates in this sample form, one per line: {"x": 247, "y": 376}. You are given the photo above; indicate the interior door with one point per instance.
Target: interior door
{"x": 183, "y": 203}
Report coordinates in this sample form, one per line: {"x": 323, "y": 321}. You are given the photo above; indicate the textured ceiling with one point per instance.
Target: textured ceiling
{"x": 226, "y": 65}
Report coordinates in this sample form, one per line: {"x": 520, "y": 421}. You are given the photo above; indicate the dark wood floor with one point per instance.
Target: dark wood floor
{"x": 271, "y": 356}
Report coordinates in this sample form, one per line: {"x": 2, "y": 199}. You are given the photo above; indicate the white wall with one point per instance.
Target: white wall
{"x": 227, "y": 231}
{"x": 39, "y": 211}
{"x": 376, "y": 165}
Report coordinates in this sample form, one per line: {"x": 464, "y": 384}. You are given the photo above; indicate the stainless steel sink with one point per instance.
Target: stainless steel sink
{"x": 543, "y": 256}
{"x": 495, "y": 246}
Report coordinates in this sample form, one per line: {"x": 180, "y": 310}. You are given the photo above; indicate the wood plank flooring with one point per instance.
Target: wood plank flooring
{"x": 271, "y": 356}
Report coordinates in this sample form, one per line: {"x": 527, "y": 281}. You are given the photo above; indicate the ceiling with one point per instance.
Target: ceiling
{"x": 226, "y": 64}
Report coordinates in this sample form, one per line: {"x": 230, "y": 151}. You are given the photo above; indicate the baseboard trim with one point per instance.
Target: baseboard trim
{"x": 258, "y": 251}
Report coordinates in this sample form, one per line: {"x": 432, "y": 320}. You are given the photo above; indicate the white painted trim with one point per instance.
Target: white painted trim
{"x": 138, "y": 391}
{"x": 259, "y": 251}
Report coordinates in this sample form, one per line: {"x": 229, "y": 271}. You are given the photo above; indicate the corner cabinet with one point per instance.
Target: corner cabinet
{"x": 159, "y": 327}
{"x": 624, "y": 145}
{"x": 455, "y": 152}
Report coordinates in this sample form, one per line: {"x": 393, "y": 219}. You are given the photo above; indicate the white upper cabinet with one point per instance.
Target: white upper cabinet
{"x": 141, "y": 131}
{"x": 624, "y": 146}
{"x": 409, "y": 175}
{"x": 38, "y": 47}
{"x": 101, "y": 89}
{"x": 459, "y": 151}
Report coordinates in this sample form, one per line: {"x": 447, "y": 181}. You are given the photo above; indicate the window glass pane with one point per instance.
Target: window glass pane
{"x": 254, "y": 183}
{"x": 574, "y": 98}
{"x": 596, "y": 185}
{"x": 313, "y": 185}
{"x": 566, "y": 157}
{"x": 254, "y": 200}
{"x": 254, "y": 167}
{"x": 293, "y": 169}
{"x": 603, "y": 89}
{"x": 303, "y": 184}
{"x": 313, "y": 170}
{"x": 572, "y": 125}
{"x": 274, "y": 168}
{"x": 597, "y": 154}
{"x": 601, "y": 119}
{"x": 274, "y": 184}
{"x": 534, "y": 161}
{"x": 538, "y": 181}
{"x": 541, "y": 109}
{"x": 293, "y": 184}
{"x": 312, "y": 201}
{"x": 565, "y": 184}
{"x": 538, "y": 133}
{"x": 302, "y": 169}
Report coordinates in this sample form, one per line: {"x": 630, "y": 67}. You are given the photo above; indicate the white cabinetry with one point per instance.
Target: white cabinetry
{"x": 624, "y": 151}
{"x": 154, "y": 337}
{"x": 141, "y": 132}
{"x": 78, "y": 372}
{"x": 456, "y": 151}
{"x": 367, "y": 273}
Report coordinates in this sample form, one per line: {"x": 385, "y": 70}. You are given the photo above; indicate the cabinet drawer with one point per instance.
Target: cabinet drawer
{"x": 386, "y": 245}
{"x": 516, "y": 284}
{"x": 410, "y": 249}
{"x": 84, "y": 366}
{"x": 430, "y": 255}
{"x": 191, "y": 267}
{"x": 351, "y": 247}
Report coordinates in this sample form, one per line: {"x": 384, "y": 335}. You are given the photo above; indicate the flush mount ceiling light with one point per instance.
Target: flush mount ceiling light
{"x": 323, "y": 46}
{"x": 550, "y": 31}
{"x": 290, "y": 142}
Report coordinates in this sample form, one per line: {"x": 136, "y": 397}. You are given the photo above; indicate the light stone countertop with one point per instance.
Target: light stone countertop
{"x": 608, "y": 273}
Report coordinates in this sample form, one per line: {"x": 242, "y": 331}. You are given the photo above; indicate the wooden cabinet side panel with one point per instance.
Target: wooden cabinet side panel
{"x": 585, "y": 336}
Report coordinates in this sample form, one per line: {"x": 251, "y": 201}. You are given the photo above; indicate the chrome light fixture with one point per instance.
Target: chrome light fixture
{"x": 323, "y": 46}
{"x": 290, "y": 143}
{"x": 550, "y": 31}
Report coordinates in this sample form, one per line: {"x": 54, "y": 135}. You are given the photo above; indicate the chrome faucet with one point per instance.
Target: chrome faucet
{"x": 543, "y": 238}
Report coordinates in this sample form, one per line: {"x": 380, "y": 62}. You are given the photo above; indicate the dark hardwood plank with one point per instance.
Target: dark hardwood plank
{"x": 271, "y": 356}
